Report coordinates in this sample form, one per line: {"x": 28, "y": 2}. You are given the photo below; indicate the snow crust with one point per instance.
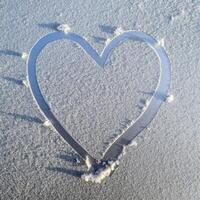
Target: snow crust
{"x": 118, "y": 31}
{"x": 108, "y": 41}
{"x": 170, "y": 98}
{"x": 24, "y": 56}
{"x": 101, "y": 173}
{"x": 47, "y": 123}
{"x": 64, "y": 28}
{"x": 25, "y": 83}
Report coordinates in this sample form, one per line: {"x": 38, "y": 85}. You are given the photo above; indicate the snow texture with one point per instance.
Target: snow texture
{"x": 88, "y": 163}
{"x": 119, "y": 31}
{"x": 133, "y": 143}
{"x": 64, "y": 28}
{"x": 161, "y": 42}
{"x": 47, "y": 124}
{"x": 25, "y": 83}
{"x": 91, "y": 102}
{"x": 170, "y": 98}
{"x": 146, "y": 104}
{"x": 24, "y": 56}
{"x": 108, "y": 41}
{"x": 101, "y": 173}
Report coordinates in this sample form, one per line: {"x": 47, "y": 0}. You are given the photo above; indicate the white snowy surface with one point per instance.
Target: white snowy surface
{"x": 170, "y": 98}
{"x": 92, "y": 103}
{"x": 108, "y": 40}
{"x": 47, "y": 124}
{"x": 64, "y": 27}
{"x": 119, "y": 30}
{"x": 24, "y": 56}
{"x": 101, "y": 173}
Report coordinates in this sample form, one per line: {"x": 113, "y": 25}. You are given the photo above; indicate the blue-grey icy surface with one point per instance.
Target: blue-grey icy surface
{"x": 93, "y": 103}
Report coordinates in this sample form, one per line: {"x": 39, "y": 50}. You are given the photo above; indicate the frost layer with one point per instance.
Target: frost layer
{"x": 24, "y": 56}
{"x": 119, "y": 31}
{"x": 64, "y": 28}
{"x": 170, "y": 98}
{"x": 101, "y": 173}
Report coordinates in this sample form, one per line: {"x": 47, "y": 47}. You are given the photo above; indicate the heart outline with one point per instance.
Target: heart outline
{"x": 113, "y": 151}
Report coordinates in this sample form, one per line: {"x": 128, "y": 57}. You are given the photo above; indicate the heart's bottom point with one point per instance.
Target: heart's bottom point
{"x": 100, "y": 171}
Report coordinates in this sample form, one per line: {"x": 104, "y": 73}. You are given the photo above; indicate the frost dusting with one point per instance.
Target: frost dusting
{"x": 101, "y": 173}
{"x": 108, "y": 41}
{"x": 24, "y": 56}
{"x": 47, "y": 123}
{"x": 119, "y": 31}
{"x": 161, "y": 42}
{"x": 133, "y": 143}
{"x": 170, "y": 98}
{"x": 64, "y": 28}
{"x": 88, "y": 162}
{"x": 25, "y": 83}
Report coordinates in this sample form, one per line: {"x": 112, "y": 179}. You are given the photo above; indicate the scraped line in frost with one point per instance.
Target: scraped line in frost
{"x": 104, "y": 167}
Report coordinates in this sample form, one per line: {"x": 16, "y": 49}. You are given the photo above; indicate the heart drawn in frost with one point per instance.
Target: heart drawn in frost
{"x": 112, "y": 153}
